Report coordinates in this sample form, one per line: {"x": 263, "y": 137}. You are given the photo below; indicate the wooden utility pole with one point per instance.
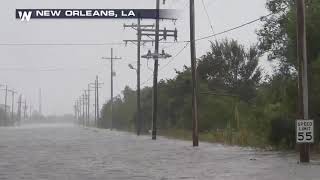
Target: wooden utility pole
{"x": 25, "y": 110}
{"x": 40, "y": 102}
{"x": 139, "y": 40}
{"x": 155, "y": 75}
{"x": 96, "y": 94}
{"x": 12, "y": 104}
{"x": 151, "y": 33}
{"x": 138, "y": 117}
{"x": 19, "y": 109}
{"x": 75, "y": 110}
{"x": 97, "y": 105}
{"x": 95, "y": 102}
{"x": 111, "y": 96}
{"x": 6, "y": 112}
{"x": 30, "y": 111}
{"x": 111, "y": 58}
{"x": 5, "y": 107}
{"x": 195, "y": 137}
{"x": 80, "y": 110}
{"x": 156, "y": 57}
{"x": 83, "y": 109}
{"x": 88, "y": 100}
{"x": 303, "y": 74}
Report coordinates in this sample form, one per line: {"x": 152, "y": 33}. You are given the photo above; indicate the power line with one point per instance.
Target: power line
{"x": 60, "y": 44}
{"x": 227, "y": 30}
{"x": 76, "y": 44}
{"x": 121, "y": 43}
{"x": 172, "y": 59}
{"x": 45, "y": 69}
{"x": 234, "y": 28}
{"x": 206, "y": 37}
{"x": 209, "y": 19}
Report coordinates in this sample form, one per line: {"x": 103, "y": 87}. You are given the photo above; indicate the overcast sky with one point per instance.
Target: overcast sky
{"x": 63, "y": 72}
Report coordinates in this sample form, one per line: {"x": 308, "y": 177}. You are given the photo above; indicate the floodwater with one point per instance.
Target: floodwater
{"x": 70, "y": 152}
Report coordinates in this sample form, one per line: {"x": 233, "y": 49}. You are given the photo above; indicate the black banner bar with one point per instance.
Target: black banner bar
{"x": 28, "y": 14}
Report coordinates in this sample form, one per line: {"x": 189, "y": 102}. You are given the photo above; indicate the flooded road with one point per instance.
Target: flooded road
{"x": 70, "y": 152}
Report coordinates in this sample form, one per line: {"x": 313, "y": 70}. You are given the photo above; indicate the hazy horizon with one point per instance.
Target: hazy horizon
{"x": 63, "y": 71}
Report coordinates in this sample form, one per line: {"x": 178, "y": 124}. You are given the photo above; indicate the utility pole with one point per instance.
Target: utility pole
{"x": 155, "y": 75}
{"x": 83, "y": 109}
{"x": 97, "y": 105}
{"x": 75, "y": 111}
{"x": 88, "y": 100}
{"x": 111, "y": 58}
{"x": 30, "y": 111}
{"x": 19, "y": 109}
{"x": 195, "y": 137}
{"x": 6, "y": 112}
{"x": 25, "y": 110}
{"x": 95, "y": 102}
{"x": 138, "y": 118}
{"x": 12, "y": 104}
{"x": 156, "y": 55}
{"x": 80, "y": 110}
{"x": 85, "y": 101}
{"x": 96, "y": 95}
{"x": 40, "y": 102}
{"x": 149, "y": 33}
{"x": 139, "y": 40}
{"x": 1, "y": 122}
{"x": 5, "y": 106}
{"x": 303, "y": 75}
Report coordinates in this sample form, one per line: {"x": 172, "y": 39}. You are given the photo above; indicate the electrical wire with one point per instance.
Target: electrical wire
{"x": 213, "y": 35}
{"x": 45, "y": 69}
{"x": 208, "y": 17}
{"x": 234, "y": 28}
{"x": 59, "y": 44}
{"x": 227, "y": 30}
{"x": 121, "y": 43}
{"x": 172, "y": 59}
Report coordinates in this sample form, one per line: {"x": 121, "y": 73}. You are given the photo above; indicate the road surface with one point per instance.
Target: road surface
{"x": 70, "y": 152}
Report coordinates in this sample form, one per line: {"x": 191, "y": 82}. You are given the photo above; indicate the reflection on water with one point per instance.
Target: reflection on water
{"x": 67, "y": 151}
{"x": 43, "y": 125}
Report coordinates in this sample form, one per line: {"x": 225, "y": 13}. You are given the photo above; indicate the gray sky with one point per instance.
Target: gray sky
{"x": 25, "y": 68}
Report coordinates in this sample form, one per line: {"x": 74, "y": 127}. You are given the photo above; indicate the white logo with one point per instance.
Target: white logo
{"x": 25, "y": 15}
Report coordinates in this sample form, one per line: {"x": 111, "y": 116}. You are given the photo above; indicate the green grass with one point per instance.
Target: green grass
{"x": 240, "y": 138}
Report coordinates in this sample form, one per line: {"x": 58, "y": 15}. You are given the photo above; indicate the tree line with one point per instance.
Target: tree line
{"x": 237, "y": 102}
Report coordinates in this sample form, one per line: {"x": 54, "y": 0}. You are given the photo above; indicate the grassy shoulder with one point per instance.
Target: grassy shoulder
{"x": 240, "y": 138}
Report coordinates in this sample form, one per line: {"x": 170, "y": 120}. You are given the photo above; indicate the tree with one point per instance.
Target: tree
{"x": 230, "y": 68}
{"x": 277, "y": 39}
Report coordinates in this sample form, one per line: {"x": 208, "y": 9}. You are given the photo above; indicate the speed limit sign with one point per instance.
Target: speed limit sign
{"x": 305, "y": 131}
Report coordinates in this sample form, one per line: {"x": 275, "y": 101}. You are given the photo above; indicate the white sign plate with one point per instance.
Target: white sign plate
{"x": 304, "y": 131}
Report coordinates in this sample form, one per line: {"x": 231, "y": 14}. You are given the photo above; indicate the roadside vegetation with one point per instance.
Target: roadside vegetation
{"x": 238, "y": 104}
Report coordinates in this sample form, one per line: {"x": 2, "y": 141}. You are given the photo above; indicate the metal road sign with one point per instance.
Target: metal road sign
{"x": 304, "y": 131}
